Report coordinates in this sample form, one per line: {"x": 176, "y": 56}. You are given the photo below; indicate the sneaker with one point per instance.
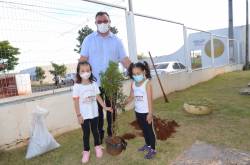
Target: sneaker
{"x": 98, "y": 151}
{"x": 144, "y": 148}
{"x": 85, "y": 156}
{"x": 151, "y": 153}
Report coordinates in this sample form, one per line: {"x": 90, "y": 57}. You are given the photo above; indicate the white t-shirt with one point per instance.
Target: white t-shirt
{"x": 87, "y": 99}
{"x": 141, "y": 97}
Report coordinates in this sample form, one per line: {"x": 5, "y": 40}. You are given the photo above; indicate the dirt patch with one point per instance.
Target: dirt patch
{"x": 139, "y": 133}
{"x": 135, "y": 125}
{"x": 163, "y": 128}
{"x": 128, "y": 136}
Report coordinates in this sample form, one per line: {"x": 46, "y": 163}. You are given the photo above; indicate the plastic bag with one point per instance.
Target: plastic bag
{"x": 41, "y": 140}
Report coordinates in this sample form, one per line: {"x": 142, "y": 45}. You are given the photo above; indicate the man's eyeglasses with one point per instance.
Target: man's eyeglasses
{"x": 104, "y": 21}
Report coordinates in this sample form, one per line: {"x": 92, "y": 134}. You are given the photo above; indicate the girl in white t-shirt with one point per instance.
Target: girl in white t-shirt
{"x": 85, "y": 95}
{"x": 141, "y": 92}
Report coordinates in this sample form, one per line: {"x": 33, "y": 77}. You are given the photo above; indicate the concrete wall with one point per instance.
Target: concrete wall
{"x": 16, "y": 117}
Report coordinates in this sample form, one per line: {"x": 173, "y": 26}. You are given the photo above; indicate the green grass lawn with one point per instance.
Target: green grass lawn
{"x": 228, "y": 125}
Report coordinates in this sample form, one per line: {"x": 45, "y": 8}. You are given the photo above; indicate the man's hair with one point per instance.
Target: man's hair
{"x": 101, "y": 13}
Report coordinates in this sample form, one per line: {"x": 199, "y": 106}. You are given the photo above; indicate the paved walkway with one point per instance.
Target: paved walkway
{"x": 245, "y": 91}
{"x": 202, "y": 153}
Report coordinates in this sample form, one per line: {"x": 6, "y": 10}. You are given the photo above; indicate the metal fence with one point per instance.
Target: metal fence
{"x": 195, "y": 48}
{"x": 46, "y": 31}
{"x": 163, "y": 38}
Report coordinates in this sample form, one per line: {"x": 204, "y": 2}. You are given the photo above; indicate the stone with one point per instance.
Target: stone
{"x": 197, "y": 110}
{"x": 245, "y": 91}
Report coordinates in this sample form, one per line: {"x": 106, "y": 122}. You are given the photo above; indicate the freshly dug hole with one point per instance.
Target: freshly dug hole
{"x": 163, "y": 128}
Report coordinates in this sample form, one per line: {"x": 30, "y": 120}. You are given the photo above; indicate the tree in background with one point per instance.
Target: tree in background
{"x": 59, "y": 70}
{"x": 86, "y": 31}
{"x": 82, "y": 34}
{"x": 8, "y": 59}
{"x": 141, "y": 56}
{"x": 114, "y": 30}
{"x": 40, "y": 74}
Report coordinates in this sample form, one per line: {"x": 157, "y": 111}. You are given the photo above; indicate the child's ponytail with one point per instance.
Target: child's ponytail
{"x": 147, "y": 70}
{"x": 130, "y": 68}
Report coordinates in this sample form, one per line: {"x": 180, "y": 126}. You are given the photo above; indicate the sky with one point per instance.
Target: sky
{"x": 46, "y": 30}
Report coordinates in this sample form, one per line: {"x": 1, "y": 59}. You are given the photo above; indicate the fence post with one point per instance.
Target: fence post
{"x": 238, "y": 51}
{"x": 212, "y": 49}
{"x": 131, "y": 36}
{"x": 228, "y": 51}
{"x": 186, "y": 51}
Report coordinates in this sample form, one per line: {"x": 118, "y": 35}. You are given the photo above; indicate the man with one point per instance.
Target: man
{"x": 57, "y": 81}
{"x": 99, "y": 48}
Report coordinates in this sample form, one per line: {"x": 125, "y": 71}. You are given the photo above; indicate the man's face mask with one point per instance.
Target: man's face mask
{"x": 103, "y": 27}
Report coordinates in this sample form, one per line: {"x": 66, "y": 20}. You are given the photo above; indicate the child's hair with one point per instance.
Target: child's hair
{"x": 78, "y": 77}
{"x": 143, "y": 66}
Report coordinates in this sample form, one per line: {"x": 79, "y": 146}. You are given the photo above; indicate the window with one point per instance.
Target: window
{"x": 182, "y": 66}
{"x": 162, "y": 66}
{"x": 176, "y": 66}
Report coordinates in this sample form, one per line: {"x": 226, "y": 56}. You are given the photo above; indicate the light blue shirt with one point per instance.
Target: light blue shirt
{"x": 100, "y": 50}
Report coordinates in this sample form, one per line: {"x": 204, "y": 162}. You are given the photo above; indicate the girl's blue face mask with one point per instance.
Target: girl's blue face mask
{"x": 138, "y": 78}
